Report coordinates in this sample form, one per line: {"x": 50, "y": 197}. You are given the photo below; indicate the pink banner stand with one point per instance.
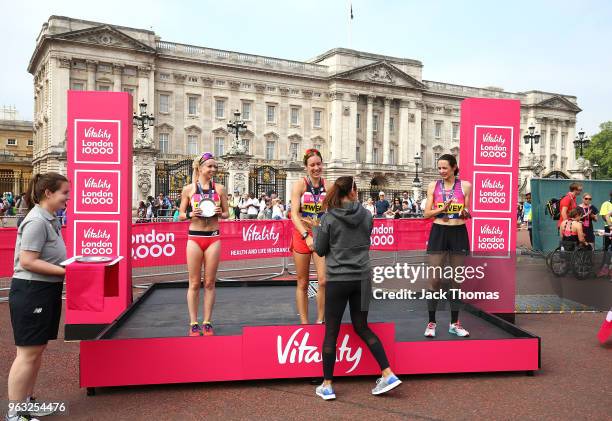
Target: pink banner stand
{"x": 490, "y": 140}
{"x": 99, "y": 152}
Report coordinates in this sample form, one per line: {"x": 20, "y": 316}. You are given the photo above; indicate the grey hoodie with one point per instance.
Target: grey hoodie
{"x": 343, "y": 237}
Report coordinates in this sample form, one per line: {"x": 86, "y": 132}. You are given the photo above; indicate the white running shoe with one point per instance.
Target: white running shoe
{"x": 383, "y": 384}
{"x": 457, "y": 329}
{"x": 325, "y": 392}
{"x": 430, "y": 331}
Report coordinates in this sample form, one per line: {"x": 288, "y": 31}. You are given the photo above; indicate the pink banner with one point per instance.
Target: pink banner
{"x": 252, "y": 239}
{"x": 159, "y": 244}
{"x": 295, "y": 351}
{"x": 164, "y": 243}
{"x": 99, "y": 161}
{"x": 490, "y": 139}
{"x": 412, "y": 234}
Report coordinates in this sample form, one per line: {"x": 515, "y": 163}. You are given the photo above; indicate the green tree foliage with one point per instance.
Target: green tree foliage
{"x": 599, "y": 151}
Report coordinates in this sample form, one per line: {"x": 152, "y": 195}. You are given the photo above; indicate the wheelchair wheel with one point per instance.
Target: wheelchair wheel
{"x": 559, "y": 262}
{"x": 582, "y": 262}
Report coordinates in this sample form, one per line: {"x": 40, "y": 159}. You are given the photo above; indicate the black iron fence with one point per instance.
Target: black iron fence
{"x": 13, "y": 184}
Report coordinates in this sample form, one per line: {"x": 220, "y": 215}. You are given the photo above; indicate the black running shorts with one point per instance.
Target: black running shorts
{"x": 36, "y": 309}
{"x": 448, "y": 238}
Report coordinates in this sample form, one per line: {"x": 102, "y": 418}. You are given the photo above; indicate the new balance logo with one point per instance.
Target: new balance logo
{"x": 38, "y": 310}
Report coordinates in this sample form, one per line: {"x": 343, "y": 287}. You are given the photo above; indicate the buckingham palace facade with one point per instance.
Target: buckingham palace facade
{"x": 369, "y": 114}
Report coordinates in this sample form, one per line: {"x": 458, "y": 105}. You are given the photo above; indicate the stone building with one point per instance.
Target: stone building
{"x": 16, "y": 144}
{"x": 369, "y": 114}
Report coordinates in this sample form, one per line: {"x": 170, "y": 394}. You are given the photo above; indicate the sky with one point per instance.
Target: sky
{"x": 555, "y": 46}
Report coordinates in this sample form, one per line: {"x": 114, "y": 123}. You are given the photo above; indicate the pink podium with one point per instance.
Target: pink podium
{"x": 87, "y": 284}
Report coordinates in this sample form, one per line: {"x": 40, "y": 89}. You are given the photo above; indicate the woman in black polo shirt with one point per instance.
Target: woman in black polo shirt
{"x": 35, "y": 299}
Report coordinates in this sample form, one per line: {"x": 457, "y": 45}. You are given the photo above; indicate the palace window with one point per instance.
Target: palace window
{"x": 271, "y": 114}
{"x": 455, "y": 131}
{"x": 295, "y": 116}
{"x": 220, "y": 108}
{"x": 164, "y": 103}
{"x": 317, "y": 119}
{"x": 219, "y": 145}
{"x": 270, "y": 146}
{"x": 438, "y": 129}
{"x": 192, "y": 144}
{"x": 192, "y": 105}
{"x": 293, "y": 151}
{"x": 163, "y": 142}
{"x": 358, "y": 120}
{"x": 375, "y": 122}
{"x": 246, "y": 110}
{"x": 391, "y": 125}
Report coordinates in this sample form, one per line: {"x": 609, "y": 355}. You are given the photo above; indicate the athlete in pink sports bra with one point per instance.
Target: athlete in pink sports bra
{"x": 448, "y": 200}
{"x": 203, "y": 245}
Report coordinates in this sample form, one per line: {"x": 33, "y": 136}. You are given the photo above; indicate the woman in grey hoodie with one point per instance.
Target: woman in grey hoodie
{"x": 343, "y": 237}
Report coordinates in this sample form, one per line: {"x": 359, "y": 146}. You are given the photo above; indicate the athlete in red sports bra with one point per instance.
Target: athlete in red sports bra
{"x": 307, "y": 198}
{"x": 203, "y": 245}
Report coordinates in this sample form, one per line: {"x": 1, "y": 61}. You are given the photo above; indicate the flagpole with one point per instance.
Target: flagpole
{"x": 350, "y": 22}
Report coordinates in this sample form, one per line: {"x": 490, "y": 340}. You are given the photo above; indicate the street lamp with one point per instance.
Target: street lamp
{"x": 417, "y": 159}
{"x": 236, "y": 127}
{"x": 143, "y": 120}
{"x": 595, "y": 168}
{"x": 531, "y": 137}
{"x": 581, "y": 141}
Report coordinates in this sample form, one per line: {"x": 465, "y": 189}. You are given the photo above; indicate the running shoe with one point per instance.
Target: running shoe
{"x": 430, "y": 331}
{"x": 41, "y": 412}
{"x": 20, "y": 417}
{"x": 325, "y": 392}
{"x": 457, "y": 329}
{"x": 207, "y": 328}
{"x": 384, "y": 384}
{"x": 195, "y": 330}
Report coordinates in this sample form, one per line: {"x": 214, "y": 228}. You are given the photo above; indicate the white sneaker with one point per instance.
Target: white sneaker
{"x": 42, "y": 411}
{"x": 325, "y": 392}
{"x": 430, "y": 331}
{"x": 457, "y": 329}
{"x": 20, "y": 418}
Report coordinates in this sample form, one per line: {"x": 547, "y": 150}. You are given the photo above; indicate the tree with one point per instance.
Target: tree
{"x": 599, "y": 151}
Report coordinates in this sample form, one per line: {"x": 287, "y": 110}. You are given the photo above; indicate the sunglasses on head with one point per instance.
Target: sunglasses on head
{"x": 587, "y": 198}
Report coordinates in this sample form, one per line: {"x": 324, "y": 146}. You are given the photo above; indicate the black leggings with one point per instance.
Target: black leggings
{"x": 336, "y": 295}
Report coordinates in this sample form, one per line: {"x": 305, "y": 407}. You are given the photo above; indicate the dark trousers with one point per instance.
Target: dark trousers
{"x": 337, "y": 294}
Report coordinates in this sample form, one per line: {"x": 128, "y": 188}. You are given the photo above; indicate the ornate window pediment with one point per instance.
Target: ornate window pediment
{"x": 317, "y": 139}
{"x": 559, "y": 103}
{"x": 271, "y": 136}
{"x": 165, "y": 127}
{"x": 193, "y": 129}
{"x": 105, "y": 35}
{"x": 220, "y": 131}
{"x": 295, "y": 138}
{"x": 381, "y": 72}
{"x": 437, "y": 148}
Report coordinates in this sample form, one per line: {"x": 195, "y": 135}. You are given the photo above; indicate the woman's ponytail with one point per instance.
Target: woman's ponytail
{"x": 341, "y": 188}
